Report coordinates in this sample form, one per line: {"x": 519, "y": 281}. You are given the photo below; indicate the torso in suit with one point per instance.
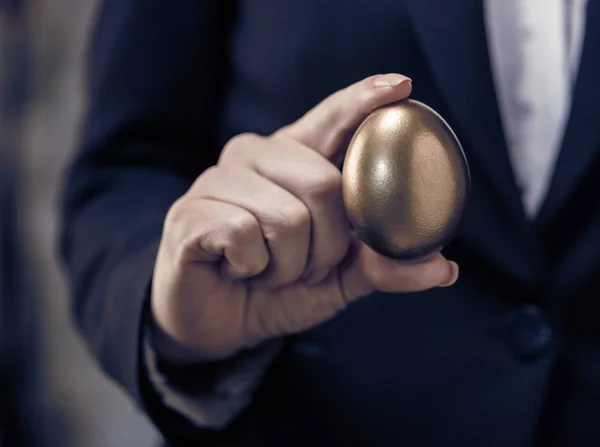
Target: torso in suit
{"x": 508, "y": 356}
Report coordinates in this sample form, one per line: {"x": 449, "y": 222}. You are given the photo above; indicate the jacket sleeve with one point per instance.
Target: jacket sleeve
{"x": 210, "y": 396}
{"x": 155, "y": 84}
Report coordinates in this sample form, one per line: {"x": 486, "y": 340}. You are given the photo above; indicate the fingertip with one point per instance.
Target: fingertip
{"x": 390, "y": 88}
{"x": 453, "y": 274}
{"x": 231, "y": 271}
{"x": 391, "y": 80}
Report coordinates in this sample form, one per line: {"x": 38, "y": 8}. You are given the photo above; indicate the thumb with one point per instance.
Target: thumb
{"x": 369, "y": 272}
{"x": 327, "y": 126}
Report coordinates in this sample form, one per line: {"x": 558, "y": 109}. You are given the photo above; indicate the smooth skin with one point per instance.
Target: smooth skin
{"x": 260, "y": 246}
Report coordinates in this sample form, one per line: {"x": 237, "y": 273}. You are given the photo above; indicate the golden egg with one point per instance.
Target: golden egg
{"x": 405, "y": 181}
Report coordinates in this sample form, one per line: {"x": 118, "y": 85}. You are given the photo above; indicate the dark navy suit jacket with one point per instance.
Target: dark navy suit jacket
{"x": 509, "y": 356}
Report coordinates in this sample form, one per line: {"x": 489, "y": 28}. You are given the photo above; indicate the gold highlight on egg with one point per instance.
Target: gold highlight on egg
{"x": 405, "y": 181}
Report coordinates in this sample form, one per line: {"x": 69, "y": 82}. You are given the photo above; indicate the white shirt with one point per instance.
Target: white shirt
{"x": 534, "y": 48}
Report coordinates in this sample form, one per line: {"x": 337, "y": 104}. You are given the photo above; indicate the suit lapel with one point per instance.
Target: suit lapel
{"x": 582, "y": 134}
{"x": 453, "y": 37}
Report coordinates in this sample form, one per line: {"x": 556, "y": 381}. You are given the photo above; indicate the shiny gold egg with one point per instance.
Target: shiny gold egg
{"x": 405, "y": 181}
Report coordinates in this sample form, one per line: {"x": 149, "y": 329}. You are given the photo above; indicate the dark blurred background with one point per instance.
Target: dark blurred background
{"x": 52, "y": 393}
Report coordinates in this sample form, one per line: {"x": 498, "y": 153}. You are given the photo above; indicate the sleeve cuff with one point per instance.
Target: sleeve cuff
{"x": 229, "y": 392}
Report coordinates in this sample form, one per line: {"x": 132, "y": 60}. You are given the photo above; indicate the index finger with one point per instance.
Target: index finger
{"x": 331, "y": 123}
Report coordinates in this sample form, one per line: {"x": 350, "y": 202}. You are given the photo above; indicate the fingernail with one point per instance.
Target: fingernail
{"x": 453, "y": 276}
{"x": 390, "y": 80}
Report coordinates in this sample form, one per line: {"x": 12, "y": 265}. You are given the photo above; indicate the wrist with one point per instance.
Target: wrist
{"x": 170, "y": 350}
{"x": 198, "y": 374}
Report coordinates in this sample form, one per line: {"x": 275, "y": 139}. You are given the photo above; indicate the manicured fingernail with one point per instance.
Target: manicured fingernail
{"x": 390, "y": 80}
{"x": 453, "y": 276}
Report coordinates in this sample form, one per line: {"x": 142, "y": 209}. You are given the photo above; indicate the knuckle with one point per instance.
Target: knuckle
{"x": 214, "y": 178}
{"x": 293, "y": 217}
{"x": 176, "y": 234}
{"x": 326, "y": 183}
{"x": 217, "y": 237}
{"x": 208, "y": 176}
{"x": 287, "y": 130}
{"x": 175, "y": 215}
{"x": 238, "y": 144}
{"x": 240, "y": 229}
